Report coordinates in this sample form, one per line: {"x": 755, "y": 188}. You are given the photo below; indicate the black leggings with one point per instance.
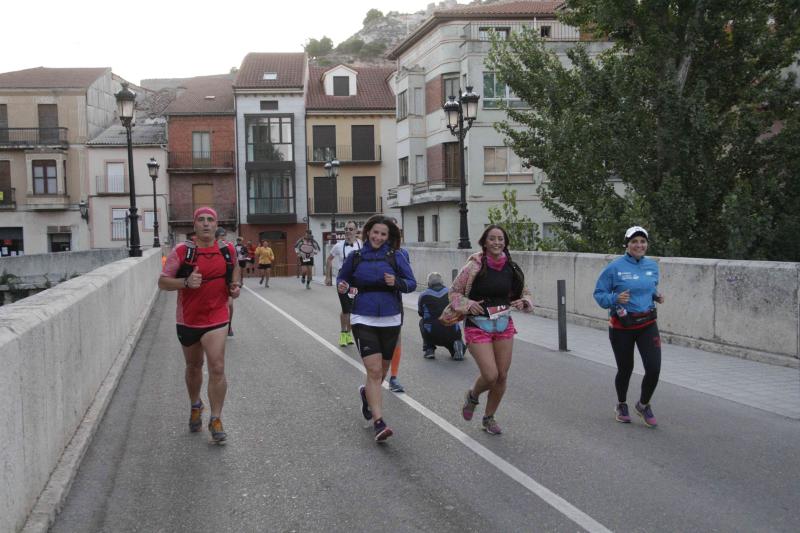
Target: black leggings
{"x": 648, "y": 341}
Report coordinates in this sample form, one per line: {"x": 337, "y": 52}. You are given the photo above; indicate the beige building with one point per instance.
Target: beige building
{"x": 46, "y": 117}
{"x": 350, "y": 117}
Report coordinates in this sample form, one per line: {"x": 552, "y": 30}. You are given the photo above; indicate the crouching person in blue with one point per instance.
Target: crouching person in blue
{"x": 430, "y": 305}
{"x": 375, "y": 276}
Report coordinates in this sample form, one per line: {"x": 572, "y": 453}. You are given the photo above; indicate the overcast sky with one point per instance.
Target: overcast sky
{"x": 172, "y": 38}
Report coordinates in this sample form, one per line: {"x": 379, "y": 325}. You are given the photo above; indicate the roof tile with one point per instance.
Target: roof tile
{"x": 51, "y": 78}
{"x": 195, "y": 99}
{"x": 289, "y": 67}
{"x": 372, "y": 91}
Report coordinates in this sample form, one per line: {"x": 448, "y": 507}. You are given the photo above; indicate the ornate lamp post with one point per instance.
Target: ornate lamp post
{"x": 460, "y": 115}
{"x": 125, "y": 104}
{"x": 332, "y": 169}
{"x": 152, "y": 169}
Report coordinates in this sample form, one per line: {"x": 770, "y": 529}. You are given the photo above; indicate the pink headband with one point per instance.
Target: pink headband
{"x": 204, "y": 210}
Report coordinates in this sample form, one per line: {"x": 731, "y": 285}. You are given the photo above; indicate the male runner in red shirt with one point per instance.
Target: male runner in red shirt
{"x": 205, "y": 279}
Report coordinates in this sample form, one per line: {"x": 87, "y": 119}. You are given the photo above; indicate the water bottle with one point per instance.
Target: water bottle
{"x": 621, "y": 312}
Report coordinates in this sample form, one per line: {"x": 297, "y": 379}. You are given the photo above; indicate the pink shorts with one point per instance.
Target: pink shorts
{"x": 473, "y": 334}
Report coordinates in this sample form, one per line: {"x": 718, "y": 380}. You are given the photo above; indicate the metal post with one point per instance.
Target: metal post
{"x": 156, "y": 240}
{"x": 562, "y": 315}
{"x": 463, "y": 241}
{"x": 135, "y": 249}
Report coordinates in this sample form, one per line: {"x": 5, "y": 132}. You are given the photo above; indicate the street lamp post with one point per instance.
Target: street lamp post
{"x": 332, "y": 169}
{"x": 125, "y": 105}
{"x": 460, "y": 115}
{"x": 152, "y": 169}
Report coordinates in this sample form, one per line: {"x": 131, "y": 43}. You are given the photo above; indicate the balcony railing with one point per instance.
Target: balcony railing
{"x": 33, "y": 137}
{"x": 549, "y": 30}
{"x": 192, "y": 160}
{"x": 8, "y": 199}
{"x": 111, "y": 185}
{"x": 184, "y": 211}
{"x": 346, "y": 205}
{"x": 436, "y": 185}
{"x": 344, "y": 153}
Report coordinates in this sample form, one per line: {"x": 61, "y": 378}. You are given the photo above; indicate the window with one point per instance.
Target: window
{"x": 364, "y": 194}
{"x": 549, "y": 230}
{"x": 363, "y": 138}
{"x": 402, "y": 105}
{"x": 119, "y": 224}
{"x": 435, "y": 227}
{"x": 48, "y": 123}
{"x": 115, "y": 177}
{"x": 148, "y": 220}
{"x": 270, "y": 76}
{"x": 420, "y": 168}
{"x": 60, "y": 242}
{"x": 324, "y": 195}
{"x": 502, "y": 165}
{"x": 452, "y": 163}
{"x": 269, "y": 138}
{"x": 201, "y": 147}
{"x": 324, "y": 138}
{"x": 3, "y": 123}
{"x": 5, "y": 176}
{"x": 495, "y": 92}
{"x": 544, "y": 32}
{"x": 44, "y": 176}
{"x": 450, "y": 86}
{"x": 485, "y": 33}
{"x": 402, "y": 170}
{"x": 270, "y": 192}
{"x": 419, "y": 102}
{"x": 269, "y": 105}
{"x": 341, "y": 86}
{"x": 420, "y": 229}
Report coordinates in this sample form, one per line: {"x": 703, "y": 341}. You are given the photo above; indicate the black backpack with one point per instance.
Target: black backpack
{"x": 190, "y": 261}
{"x": 390, "y": 258}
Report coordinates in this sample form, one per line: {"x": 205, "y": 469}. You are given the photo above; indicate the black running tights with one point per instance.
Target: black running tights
{"x": 648, "y": 341}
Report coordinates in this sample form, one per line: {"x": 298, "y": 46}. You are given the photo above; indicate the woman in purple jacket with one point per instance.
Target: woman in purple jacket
{"x": 375, "y": 276}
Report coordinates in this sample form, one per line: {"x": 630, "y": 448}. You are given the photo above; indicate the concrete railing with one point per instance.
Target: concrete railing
{"x": 56, "y": 348}
{"x": 750, "y": 309}
{"x": 58, "y": 266}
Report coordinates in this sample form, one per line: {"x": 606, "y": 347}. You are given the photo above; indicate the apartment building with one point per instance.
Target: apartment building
{"x": 202, "y": 161}
{"x": 47, "y": 115}
{"x": 350, "y": 118}
{"x": 269, "y": 91}
{"x": 442, "y": 57}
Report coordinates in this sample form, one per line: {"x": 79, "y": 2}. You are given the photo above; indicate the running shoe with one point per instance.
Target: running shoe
{"x": 458, "y": 351}
{"x": 308, "y": 284}
{"x": 647, "y": 415}
{"x": 196, "y": 418}
{"x": 350, "y": 339}
{"x": 343, "y": 338}
{"x": 394, "y": 385}
{"x": 429, "y": 353}
{"x": 230, "y": 332}
{"x": 468, "y": 409}
{"x": 382, "y": 431}
{"x": 218, "y": 435}
{"x": 365, "y": 410}
{"x": 303, "y": 280}
{"x": 490, "y": 425}
{"x": 621, "y": 413}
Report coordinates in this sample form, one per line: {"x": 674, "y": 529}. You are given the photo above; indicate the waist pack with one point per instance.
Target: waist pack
{"x": 490, "y": 325}
{"x": 636, "y": 319}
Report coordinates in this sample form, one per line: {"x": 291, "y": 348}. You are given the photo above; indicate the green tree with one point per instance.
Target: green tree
{"x": 689, "y": 125}
{"x": 315, "y": 48}
{"x": 373, "y": 15}
{"x": 351, "y": 46}
{"x": 522, "y": 231}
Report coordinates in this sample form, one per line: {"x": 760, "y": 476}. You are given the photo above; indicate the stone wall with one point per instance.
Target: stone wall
{"x": 750, "y": 309}
{"x": 56, "y": 348}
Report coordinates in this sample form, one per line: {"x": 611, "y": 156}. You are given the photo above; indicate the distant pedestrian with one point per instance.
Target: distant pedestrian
{"x": 336, "y": 258}
{"x": 628, "y": 288}
{"x": 206, "y": 274}
{"x": 241, "y": 253}
{"x": 264, "y": 257}
{"x": 306, "y": 248}
{"x": 220, "y": 236}
{"x": 377, "y": 275}
{"x": 485, "y": 290}
{"x": 394, "y": 369}
{"x": 251, "y": 257}
{"x": 431, "y": 304}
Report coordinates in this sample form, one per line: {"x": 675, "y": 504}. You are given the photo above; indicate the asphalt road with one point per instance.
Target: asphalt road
{"x": 301, "y": 458}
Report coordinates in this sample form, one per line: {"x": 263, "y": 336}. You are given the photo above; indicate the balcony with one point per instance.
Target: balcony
{"x": 346, "y": 205}
{"x": 183, "y": 212}
{"x": 208, "y": 162}
{"x": 424, "y": 192}
{"x": 8, "y": 201}
{"x": 548, "y": 30}
{"x": 111, "y": 185}
{"x": 27, "y": 138}
{"x": 345, "y": 154}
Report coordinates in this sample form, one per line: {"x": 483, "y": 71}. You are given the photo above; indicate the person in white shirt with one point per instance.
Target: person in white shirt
{"x": 336, "y": 258}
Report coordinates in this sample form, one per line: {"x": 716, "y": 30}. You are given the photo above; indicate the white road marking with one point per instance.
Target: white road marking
{"x": 551, "y": 498}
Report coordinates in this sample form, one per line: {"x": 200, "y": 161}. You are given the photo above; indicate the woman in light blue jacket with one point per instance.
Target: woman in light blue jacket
{"x": 628, "y": 287}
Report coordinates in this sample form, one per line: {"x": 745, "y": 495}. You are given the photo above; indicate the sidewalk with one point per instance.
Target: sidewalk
{"x": 771, "y": 388}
